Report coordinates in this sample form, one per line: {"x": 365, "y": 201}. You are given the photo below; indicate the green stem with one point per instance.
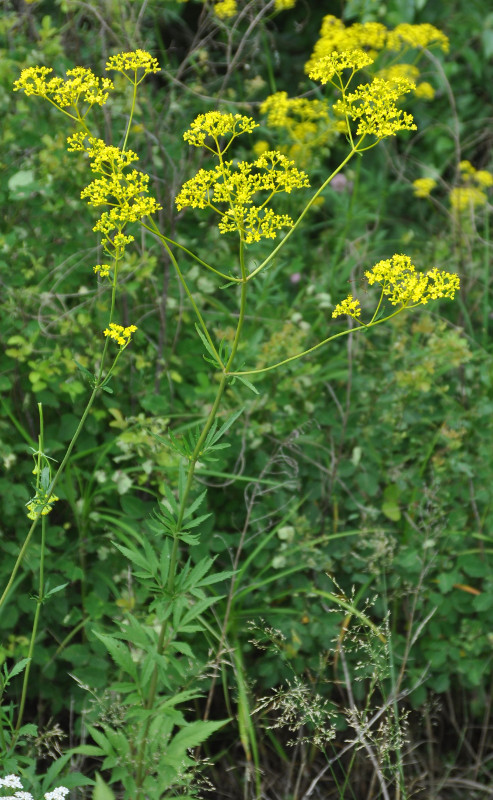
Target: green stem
{"x": 172, "y": 574}
{"x": 188, "y": 292}
{"x": 59, "y": 472}
{"x": 183, "y": 504}
{"x": 320, "y": 344}
{"x": 39, "y": 603}
{"x": 134, "y": 99}
{"x": 190, "y": 253}
{"x": 303, "y": 213}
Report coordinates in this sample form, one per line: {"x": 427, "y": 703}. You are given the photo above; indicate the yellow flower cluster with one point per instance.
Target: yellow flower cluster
{"x": 121, "y": 335}
{"x": 284, "y": 5}
{"x": 479, "y": 176}
{"x": 470, "y": 194}
{"x": 324, "y": 69}
{"x": 237, "y": 185}
{"x": 124, "y": 191}
{"x": 349, "y": 306}
{"x": 423, "y": 35}
{"x": 467, "y": 198}
{"x": 225, "y": 9}
{"x": 374, "y": 105}
{"x": 215, "y": 125}
{"x": 102, "y": 269}
{"x": 410, "y": 72}
{"x": 402, "y": 285}
{"x": 306, "y": 124}
{"x": 372, "y": 37}
{"x": 40, "y": 505}
{"x": 80, "y": 85}
{"x": 423, "y": 186}
{"x": 134, "y": 61}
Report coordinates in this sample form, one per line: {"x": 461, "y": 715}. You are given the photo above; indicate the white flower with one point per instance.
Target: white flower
{"x": 12, "y": 781}
{"x": 57, "y": 794}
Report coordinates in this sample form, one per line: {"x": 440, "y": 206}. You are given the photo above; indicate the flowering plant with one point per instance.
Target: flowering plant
{"x": 155, "y": 654}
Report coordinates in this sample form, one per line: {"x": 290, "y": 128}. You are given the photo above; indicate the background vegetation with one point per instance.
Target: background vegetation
{"x": 363, "y": 471}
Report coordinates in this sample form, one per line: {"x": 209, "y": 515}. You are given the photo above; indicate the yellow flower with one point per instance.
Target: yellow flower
{"x": 402, "y": 285}
{"x": 483, "y": 178}
{"x": 225, "y": 9}
{"x": 464, "y": 198}
{"x": 81, "y": 85}
{"x": 119, "y": 334}
{"x": 326, "y": 67}
{"x": 349, "y": 306}
{"x": 424, "y": 35}
{"x": 424, "y": 91}
{"x": 284, "y": 5}
{"x": 371, "y": 37}
{"x": 216, "y": 125}
{"x": 423, "y": 186}
{"x": 102, "y": 269}
{"x": 40, "y": 505}
{"x": 237, "y": 186}
{"x": 374, "y": 105}
{"x": 123, "y": 191}
{"x": 133, "y": 61}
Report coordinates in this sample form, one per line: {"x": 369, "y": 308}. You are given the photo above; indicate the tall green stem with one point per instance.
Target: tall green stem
{"x": 59, "y": 472}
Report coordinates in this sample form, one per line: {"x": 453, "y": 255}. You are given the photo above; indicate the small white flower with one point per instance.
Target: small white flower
{"x": 23, "y": 796}
{"x": 57, "y": 794}
{"x": 12, "y": 781}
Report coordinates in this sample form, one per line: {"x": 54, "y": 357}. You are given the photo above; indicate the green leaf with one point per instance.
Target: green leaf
{"x": 84, "y": 370}
{"x": 119, "y": 653}
{"x": 207, "y": 347}
{"x": 191, "y": 736}
{"x": 247, "y": 383}
{"x": 19, "y": 667}
{"x": 102, "y": 791}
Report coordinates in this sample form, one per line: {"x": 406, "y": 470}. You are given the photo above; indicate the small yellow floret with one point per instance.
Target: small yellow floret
{"x": 40, "y": 505}
{"x": 102, "y": 269}
{"x": 284, "y": 5}
{"x": 135, "y": 60}
{"x": 119, "y": 334}
{"x": 483, "y": 178}
{"x": 349, "y": 306}
{"x": 464, "y": 198}
{"x": 225, "y": 9}
{"x": 216, "y": 125}
{"x": 374, "y": 105}
{"x": 402, "y": 285}
{"x": 326, "y": 67}
{"x": 423, "y": 186}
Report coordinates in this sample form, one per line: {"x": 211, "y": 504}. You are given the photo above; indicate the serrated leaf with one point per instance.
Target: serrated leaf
{"x": 191, "y": 736}
{"x": 18, "y": 668}
{"x": 198, "y": 608}
{"x": 194, "y": 522}
{"x": 119, "y": 653}
{"x": 194, "y": 506}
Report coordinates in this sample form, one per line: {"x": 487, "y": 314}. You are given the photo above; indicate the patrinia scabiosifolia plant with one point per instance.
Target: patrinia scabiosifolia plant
{"x": 149, "y": 752}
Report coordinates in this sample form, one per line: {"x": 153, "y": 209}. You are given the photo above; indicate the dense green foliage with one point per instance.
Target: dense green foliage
{"x": 357, "y": 480}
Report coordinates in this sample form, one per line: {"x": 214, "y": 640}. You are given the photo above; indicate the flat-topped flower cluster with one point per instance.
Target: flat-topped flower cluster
{"x": 237, "y": 185}
{"x": 403, "y": 286}
{"x": 14, "y": 782}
